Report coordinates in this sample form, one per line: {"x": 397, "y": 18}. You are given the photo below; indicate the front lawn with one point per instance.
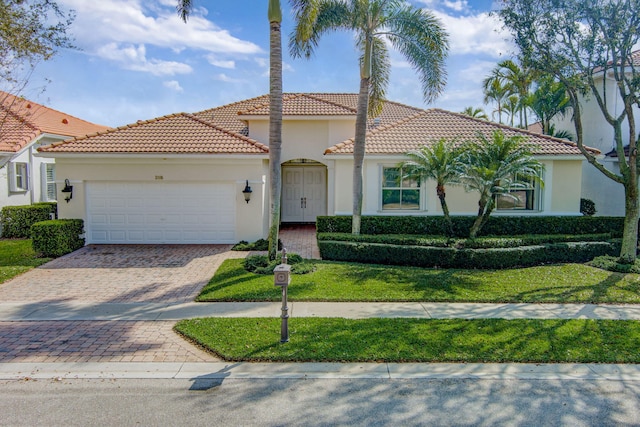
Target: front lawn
{"x": 16, "y": 257}
{"x": 335, "y": 281}
{"x": 418, "y": 340}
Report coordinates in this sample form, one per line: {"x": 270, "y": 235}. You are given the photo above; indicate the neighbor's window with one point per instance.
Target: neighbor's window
{"x": 18, "y": 177}
{"x": 399, "y": 194}
{"x": 49, "y": 177}
{"x": 525, "y": 196}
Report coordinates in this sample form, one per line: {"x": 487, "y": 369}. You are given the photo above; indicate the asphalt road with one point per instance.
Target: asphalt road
{"x": 319, "y": 402}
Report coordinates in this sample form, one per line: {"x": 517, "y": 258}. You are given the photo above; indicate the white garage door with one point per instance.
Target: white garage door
{"x": 160, "y": 212}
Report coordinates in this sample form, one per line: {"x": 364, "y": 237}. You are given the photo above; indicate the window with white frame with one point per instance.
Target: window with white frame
{"x": 524, "y": 196}
{"x": 49, "y": 188}
{"x": 398, "y": 193}
{"x": 18, "y": 177}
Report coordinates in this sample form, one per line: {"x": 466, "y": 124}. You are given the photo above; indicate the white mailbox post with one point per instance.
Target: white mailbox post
{"x": 282, "y": 278}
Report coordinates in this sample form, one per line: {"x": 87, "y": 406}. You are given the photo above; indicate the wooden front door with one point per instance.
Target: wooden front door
{"x": 304, "y": 193}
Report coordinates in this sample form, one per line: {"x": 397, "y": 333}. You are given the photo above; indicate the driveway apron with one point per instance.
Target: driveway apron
{"x": 104, "y": 274}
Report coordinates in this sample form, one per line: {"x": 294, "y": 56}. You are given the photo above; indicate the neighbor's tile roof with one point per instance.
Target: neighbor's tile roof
{"x": 175, "y": 133}
{"x": 431, "y": 125}
{"x": 21, "y": 121}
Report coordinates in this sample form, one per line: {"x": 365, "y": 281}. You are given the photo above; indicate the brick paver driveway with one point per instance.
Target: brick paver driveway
{"x": 109, "y": 274}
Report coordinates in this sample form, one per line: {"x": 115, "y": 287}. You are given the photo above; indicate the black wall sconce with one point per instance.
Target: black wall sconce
{"x": 68, "y": 189}
{"x": 247, "y": 192}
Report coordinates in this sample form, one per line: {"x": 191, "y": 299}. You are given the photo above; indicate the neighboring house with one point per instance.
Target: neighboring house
{"x": 607, "y": 195}
{"x": 180, "y": 178}
{"x": 24, "y": 127}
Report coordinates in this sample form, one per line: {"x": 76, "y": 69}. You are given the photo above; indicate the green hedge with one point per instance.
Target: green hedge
{"x": 478, "y": 243}
{"x": 57, "y": 237}
{"x": 448, "y": 257}
{"x": 16, "y": 221}
{"x": 496, "y": 226}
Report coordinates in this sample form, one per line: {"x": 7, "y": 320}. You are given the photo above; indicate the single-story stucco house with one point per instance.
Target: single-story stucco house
{"x": 24, "y": 126}
{"x": 180, "y": 178}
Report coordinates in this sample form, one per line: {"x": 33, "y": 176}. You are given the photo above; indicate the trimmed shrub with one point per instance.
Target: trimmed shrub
{"x": 57, "y": 237}
{"x": 479, "y": 243}
{"x": 260, "y": 264}
{"x": 610, "y": 263}
{"x": 258, "y": 245}
{"x": 16, "y": 221}
{"x": 494, "y": 258}
{"x": 496, "y": 225}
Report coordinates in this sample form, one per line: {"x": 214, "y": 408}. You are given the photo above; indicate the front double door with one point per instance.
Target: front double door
{"x": 304, "y": 193}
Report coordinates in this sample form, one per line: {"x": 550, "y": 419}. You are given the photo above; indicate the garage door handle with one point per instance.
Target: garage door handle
{"x": 303, "y": 202}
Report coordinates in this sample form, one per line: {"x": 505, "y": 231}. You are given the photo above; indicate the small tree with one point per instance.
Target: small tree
{"x": 441, "y": 162}
{"x": 586, "y": 44}
{"x": 495, "y": 167}
{"x": 475, "y": 112}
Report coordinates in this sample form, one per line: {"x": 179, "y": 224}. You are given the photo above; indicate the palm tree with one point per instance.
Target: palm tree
{"x": 549, "y": 99}
{"x": 496, "y": 92}
{"x": 416, "y": 33}
{"x": 494, "y": 167}
{"x": 441, "y": 162}
{"x": 517, "y": 81}
{"x": 511, "y": 106}
{"x": 184, "y": 9}
{"x": 476, "y": 113}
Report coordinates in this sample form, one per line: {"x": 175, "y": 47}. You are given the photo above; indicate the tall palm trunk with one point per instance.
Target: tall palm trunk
{"x": 358, "y": 153}
{"x": 440, "y": 191}
{"x": 275, "y": 122}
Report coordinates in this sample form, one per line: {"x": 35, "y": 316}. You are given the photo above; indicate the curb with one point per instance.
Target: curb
{"x": 243, "y": 370}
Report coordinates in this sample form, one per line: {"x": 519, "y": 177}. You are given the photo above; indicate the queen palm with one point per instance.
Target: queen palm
{"x": 274, "y": 14}
{"x": 441, "y": 162}
{"x": 494, "y": 167}
{"x": 475, "y": 112}
{"x": 415, "y": 33}
{"x": 495, "y": 91}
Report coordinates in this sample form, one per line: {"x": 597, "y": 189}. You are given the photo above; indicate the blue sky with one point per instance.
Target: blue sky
{"x": 138, "y": 60}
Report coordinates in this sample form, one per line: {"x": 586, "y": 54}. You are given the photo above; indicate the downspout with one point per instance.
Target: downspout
{"x": 30, "y": 173}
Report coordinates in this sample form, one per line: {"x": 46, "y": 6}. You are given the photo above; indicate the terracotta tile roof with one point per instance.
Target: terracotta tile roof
{"x": 175, "y": 133}
{"x": 399, "y": 128}
{"x": 21, "y": 121}
{"x": 430, "y": 125}
{"x": 314, "y": 104}
{"x": 301, "y": 104}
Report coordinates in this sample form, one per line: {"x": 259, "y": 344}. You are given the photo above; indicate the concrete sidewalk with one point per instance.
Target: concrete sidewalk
{"x": 86, "y": 311}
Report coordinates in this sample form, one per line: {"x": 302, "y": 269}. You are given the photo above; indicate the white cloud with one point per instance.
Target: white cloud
{"x": 173, "y": 85}
{"x": 225, "y": 78}
{"x": 134, "y": 58}
{"x": 477, "y": 34}
{"x": 131, "y": 21}
{"x": 457, "y": 5}
{"x": 222, "y": 63}
{"x": 476, "y": 71}
{"x": 101, "y": 25}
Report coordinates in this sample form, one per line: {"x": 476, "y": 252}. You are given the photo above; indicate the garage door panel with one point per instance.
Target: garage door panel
{"x": 160, "y": 212}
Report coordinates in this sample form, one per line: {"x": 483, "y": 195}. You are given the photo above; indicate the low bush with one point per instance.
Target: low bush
{"x": 610, "y": 263}
{"x": 260, "y": 264}
{"x": 258, "y": 245}
{"x": 479, "y": 243}
{"x": 16, "y": 221}
{"x": 450, "y": 257}
{"x": 57, "y": 237}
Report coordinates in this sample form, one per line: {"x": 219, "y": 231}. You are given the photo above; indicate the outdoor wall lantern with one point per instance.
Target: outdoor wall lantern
{"x": 247, "y": 192}
{"x": 68, "y": 189}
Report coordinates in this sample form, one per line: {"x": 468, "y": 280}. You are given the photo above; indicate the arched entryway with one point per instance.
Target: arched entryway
{"x": 304, "y": 191}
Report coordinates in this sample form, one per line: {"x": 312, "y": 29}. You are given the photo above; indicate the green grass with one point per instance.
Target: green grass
{"x": 16, "y": 257}
{"x": 418, "y": 340}
{"x": 333, "y": 281}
